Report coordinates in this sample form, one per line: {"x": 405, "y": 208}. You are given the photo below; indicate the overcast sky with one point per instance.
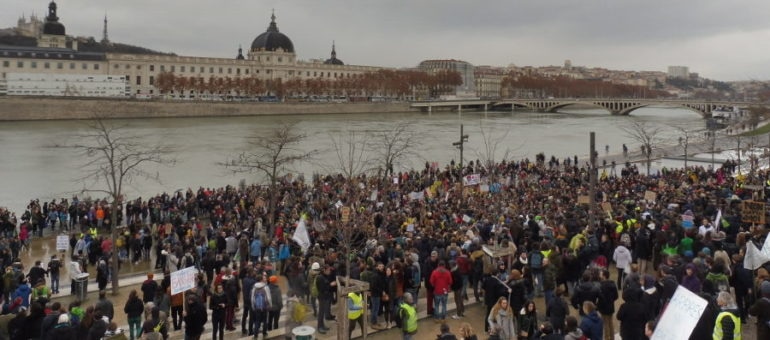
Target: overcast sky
{"x": 720, "y": 39}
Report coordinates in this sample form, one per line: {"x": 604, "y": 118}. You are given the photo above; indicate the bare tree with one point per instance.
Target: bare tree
{"x": 352, "y": 156}
{"x": 271, "y": 155}
{"x": 116, "y": 158}
{"x": 647, "y": 135}
{"x": 492, "y": 147}
{"x": 687, "y": 137}
{"x": 394, "y": 146}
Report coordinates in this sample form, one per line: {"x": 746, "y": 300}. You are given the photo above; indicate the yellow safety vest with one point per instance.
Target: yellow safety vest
{"x": 93, "y": 232}
{"x": 717, "y": 335}
{"x": 410, "y": 322}
{"x": 354, "y": 314}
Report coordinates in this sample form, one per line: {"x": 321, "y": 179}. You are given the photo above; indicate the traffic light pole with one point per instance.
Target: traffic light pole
{"x": 461, "y": 143}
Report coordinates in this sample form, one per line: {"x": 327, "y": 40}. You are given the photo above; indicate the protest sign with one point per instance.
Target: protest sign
{"x": 753, "y": 212}
{"x": 650, "y": 196}
{"x": 62, "y": 242}
{"x": 681, "y": 315}
{"x": 183, "y": 280}
{"x": 472, "y": 179}
{"x": 584, "y": 199}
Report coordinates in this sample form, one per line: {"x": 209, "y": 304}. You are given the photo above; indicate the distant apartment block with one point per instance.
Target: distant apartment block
{"x": 679, "y": 72}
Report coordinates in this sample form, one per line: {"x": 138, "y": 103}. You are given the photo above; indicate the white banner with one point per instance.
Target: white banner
{"x": 754, "y": 257}
{"x": 301, "y": 236}
{"x": 472, "y": 179}
{"x": 417, "y": 195}
{"x": 681, "y": 315}
{"x": 62, "y": 242}
{"x": 183, "y": 280}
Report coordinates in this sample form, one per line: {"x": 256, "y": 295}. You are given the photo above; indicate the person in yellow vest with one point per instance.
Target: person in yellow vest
{"x": 408, "y": 317}
{"x": 728, "y": 323}
{"x": 355, "y": 312}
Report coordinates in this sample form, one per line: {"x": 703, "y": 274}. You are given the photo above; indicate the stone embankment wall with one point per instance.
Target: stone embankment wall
{"x": 16, "y": 108}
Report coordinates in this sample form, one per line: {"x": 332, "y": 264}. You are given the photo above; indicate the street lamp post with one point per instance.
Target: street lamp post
{"x": 460, "y": 144}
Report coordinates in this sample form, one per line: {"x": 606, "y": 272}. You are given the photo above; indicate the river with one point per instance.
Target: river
{"x": 33, "y": 166}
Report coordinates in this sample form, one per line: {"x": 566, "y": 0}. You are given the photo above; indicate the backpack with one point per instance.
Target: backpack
{"x": 536, "y": 260}
{"x": 478, "y": 266}
{"x": 416, "y": 277}
{"x": 259, "y": 300}
{"x": 298, "y": 314}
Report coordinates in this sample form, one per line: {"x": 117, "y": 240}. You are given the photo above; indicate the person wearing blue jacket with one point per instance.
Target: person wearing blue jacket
{"x": 24, "y": 291}
{"x": 255, "y": 250}
{"x": 591, "y": 324}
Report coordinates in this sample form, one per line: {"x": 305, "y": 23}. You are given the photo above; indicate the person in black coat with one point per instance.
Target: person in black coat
{"x": 606, "y": 306}
{"x": 324, "y": 284}
{"x": 557, "y": 311}
{"x": 632, "y": 315}
{"x": 586, "y": 290}
{"x": 194, "y": 318}
{"x": 217, "y": 303}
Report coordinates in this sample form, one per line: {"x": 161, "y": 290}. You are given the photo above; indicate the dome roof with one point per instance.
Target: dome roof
{"x": 333, "y": 60}
{"x": 52, "y": 24}
{"x": 272, "y": 40}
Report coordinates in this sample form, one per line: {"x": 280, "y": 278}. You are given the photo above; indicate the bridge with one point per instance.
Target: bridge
{"x": 614, "y": 106}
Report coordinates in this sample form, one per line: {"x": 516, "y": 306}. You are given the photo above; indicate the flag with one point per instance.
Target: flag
{"x": 300, "y": 234}
{"x": 719, "y": 218}
{"x": 755, "y": 258}
{"x": 765, "y": 251}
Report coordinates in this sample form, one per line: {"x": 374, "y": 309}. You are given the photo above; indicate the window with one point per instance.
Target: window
{"x": 238, "y": 71}
{"x": 173, "y": 68}
{"x": 229, "y": 70}
{"x": 59, "y": 65}
{"x": 138, "y": 67}
{"x": 192, "y": 69}
{"x": 211, "y": 70}
{"x": 96, "y": 66}
{"x": 84, "y": 66}
{"x": 181, "y": 68}
{"x": 220, "y": 70}
{"x": 152, "y": 80}
{"x": 247, "y": 71}
{"x": 116, "y": 66}
{"x": 307, "y": 74}
{"x": 152, "y": 68}
{"x": 34, "y": 64}
{"x": 138, "y": 80}
{"x": 128, "y": 67}
{"x": 280, "y": 59}
{"x": 128, "y": 78}
{"x": 163, "y": 68}
{"x": 72, "y": 66}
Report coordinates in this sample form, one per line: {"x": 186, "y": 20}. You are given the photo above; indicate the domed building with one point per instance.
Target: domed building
{"x": 333, "y": 60}
{"x": 272, "y": 40}
{"x": 53, "y": 31}
{"x": 271, "y": 58}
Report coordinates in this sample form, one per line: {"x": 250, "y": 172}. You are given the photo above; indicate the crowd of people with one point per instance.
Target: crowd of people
{"x": 421, "y": 235}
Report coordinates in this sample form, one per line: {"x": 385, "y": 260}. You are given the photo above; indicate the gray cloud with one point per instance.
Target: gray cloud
{"x": 719, "y": 39}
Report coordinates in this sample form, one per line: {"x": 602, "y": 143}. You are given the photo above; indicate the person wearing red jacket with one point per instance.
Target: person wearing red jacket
{"x": 441, "y": 280}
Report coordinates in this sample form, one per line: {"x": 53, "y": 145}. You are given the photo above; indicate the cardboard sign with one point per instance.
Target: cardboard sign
{"x": 183, "y": 280}
{"x": 345, "y": 214}
{"x": 681, "y": 315}
{"x": 753, "y": 212}
{"x": 62, "y": 242}
{"x": 650, "y": 196}
{"x": 259, "y": 202}
{"x": 606, "y": 206}
{"x": 584, "y": 199}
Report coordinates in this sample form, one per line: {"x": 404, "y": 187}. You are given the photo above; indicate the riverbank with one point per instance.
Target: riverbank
{"x": 32, "y": 109}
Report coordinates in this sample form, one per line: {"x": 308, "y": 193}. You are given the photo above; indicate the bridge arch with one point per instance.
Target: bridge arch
{"x": 704, "y": 112}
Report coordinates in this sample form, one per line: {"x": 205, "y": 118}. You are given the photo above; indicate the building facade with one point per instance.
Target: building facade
{"x": 464, "y": 68}
{"x": 271, "y": 57}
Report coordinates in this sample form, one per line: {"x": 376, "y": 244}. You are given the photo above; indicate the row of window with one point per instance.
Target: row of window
{"x": 221, "y": 70}
{"x": 47, "y": 65}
